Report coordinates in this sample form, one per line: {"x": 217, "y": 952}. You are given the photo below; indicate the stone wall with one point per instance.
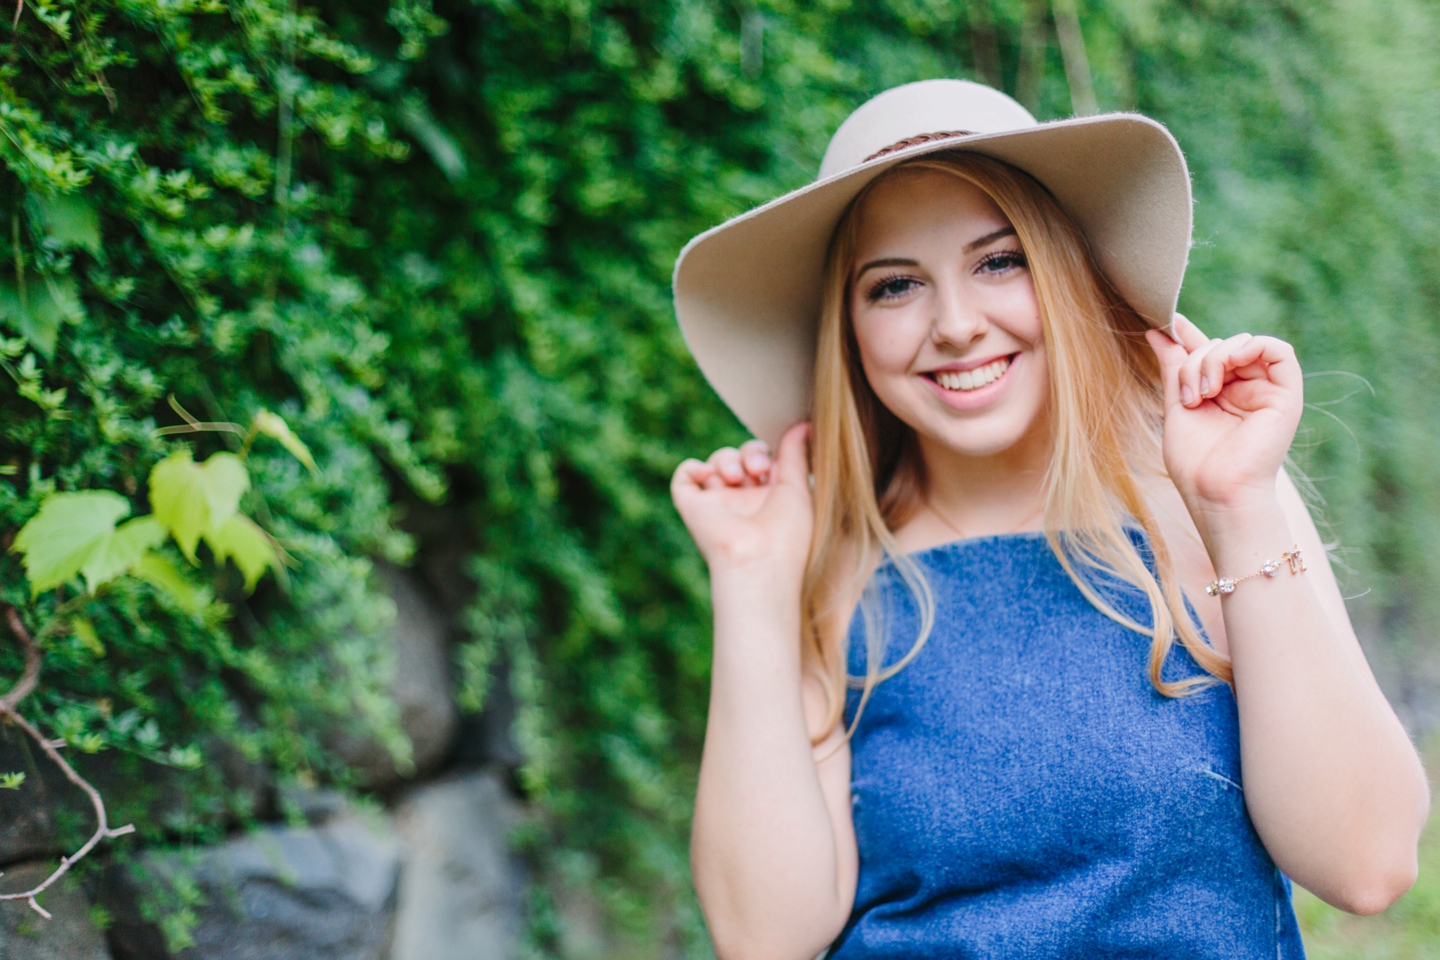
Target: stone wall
{"x": 428, "y": 875}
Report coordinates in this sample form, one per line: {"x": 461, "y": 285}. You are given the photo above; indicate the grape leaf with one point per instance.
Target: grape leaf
{"x": 118, "y": 552}
{"x": 244, "y": 542}
{"x": 194, "y": 499}
{"x": 161, "y": 574}
{"x": 225, "y": 480}
{"x": 177, "y": 495}
{"x": 40, "y": 313}
{"x": 59, "y": 540}
{"x": 70, "y": 219}
{"x": 272, "y": 425}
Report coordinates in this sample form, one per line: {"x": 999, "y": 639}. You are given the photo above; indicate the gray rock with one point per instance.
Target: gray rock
{"x": 420, "y": 688}
{"x": 460, "y": 886}
{"x": 70, "y": 933}
{"x": 28, "y": 828}
{"x": 31, "y": 816}
{"x": 319, "y": 893}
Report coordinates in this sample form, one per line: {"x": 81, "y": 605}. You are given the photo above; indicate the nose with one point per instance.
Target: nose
{"x": 960, "y": 318}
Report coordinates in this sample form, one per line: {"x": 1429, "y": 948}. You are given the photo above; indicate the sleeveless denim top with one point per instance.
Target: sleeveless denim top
{"x": 1021, "y": 790}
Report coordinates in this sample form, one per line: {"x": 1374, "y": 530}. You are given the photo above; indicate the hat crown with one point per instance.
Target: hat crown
{"x": 915, "y": 109}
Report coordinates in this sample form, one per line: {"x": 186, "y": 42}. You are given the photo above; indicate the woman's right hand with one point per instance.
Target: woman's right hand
{"x": 745, "y": 508}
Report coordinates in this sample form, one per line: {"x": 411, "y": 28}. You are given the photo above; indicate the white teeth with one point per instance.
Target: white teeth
{"x": 973, "y": 379}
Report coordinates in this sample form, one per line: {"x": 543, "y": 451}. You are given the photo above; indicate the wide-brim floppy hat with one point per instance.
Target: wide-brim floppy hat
{"x": 747, "y": 293}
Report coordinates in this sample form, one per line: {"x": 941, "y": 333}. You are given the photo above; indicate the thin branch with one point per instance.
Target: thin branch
{"x": 19, "y": 8}
{"x": 31, "y": 676}
{"x": 201, "y": 427}
{"x": 185, "y": 415}
{"x": 8, "y": 712}
{"x": 1031, "y": 71}
{"x": 1077, "y": 64}
{"x": 19, "y": 258}
{"x": 192, "y": 425}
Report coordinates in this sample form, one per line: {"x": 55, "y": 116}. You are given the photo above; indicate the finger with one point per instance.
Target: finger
{"x": 726, "y": 462}
{"x": 792, "y": 466}
{"x": 1189, "y": 375}
{"x": 689, "y": 475}
{"x": 1171, "y": 356}
{"x": 1187, "y": 333}
{"x": 1278, "y": 357}
{"x": 1217, "y": 368}
{"x": 755, "y": 457}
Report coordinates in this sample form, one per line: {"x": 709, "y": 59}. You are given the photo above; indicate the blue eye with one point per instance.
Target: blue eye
{"x": 891, "y": 287}
{"x": 1001, "y": 262}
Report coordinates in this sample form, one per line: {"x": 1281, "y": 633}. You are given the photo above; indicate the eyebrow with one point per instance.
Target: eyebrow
{"x": 989, "y": 238}
{"x": 887, "y": 262}
{"x": 970, "y": 247}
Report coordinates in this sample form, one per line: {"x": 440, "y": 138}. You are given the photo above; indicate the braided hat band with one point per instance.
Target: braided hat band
{"x": 916, "y": 140}
{"x": 748, "y": 293}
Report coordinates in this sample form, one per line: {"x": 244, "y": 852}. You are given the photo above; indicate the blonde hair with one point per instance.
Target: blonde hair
{"x": 1105, "y": 422}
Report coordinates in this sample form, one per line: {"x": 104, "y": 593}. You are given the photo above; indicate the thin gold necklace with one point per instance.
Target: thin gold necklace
{"x": 961, "y": 533}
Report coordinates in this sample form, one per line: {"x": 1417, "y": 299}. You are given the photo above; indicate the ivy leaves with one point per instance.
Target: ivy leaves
{"x": 196, "y": 499}
{"x": 202, "y": 500}
{"x": 66, "y": 536}
{"x": 76, "y": 534}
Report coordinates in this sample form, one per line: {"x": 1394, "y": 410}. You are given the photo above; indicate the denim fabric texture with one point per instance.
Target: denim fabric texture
{"x": 1020, "y": 789}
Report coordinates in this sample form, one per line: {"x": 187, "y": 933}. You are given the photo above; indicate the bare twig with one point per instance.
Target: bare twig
{"x": 192, "y": 425}
{"x": 19, "y": 8}
{"x": 31, "y": 676}
{"x": 8, "y": 712}
{"x": 201, "y": 426}
{"x": 1077, "y": 64}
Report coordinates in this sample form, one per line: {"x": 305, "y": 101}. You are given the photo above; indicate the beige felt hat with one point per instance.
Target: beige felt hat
{"x": 747, "y": 293}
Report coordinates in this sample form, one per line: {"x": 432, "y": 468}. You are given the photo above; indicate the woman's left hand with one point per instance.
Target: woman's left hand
{"x": 1231, "y": 410}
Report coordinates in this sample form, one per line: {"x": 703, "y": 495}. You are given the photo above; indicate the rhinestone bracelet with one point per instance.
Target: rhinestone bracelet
{"x": 1269, "y": 568}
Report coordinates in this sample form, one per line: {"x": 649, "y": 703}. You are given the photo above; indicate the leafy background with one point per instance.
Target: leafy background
{"x": 436, "y": 239}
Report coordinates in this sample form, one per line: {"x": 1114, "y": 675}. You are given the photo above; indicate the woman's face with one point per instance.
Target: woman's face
{"x": 945, "y": 315}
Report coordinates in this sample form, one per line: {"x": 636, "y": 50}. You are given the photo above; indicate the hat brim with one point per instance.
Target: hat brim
{"x": 747, "y": 293}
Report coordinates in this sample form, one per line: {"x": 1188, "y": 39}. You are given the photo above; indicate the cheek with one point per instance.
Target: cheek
{"x": 887, "y": 345}
{"x": 1020, "y": 309}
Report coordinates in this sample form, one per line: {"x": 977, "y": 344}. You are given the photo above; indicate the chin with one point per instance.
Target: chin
{"x": 977, "y": 444}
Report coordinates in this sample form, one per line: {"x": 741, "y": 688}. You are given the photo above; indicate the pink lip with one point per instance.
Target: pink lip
{"x": 972, "y": 399}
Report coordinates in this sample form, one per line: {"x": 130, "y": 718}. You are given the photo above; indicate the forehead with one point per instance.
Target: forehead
{"x": 917, "y": 205}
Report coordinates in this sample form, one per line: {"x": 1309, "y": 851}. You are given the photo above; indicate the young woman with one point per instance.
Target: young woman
{"x": 1025, "y": 644}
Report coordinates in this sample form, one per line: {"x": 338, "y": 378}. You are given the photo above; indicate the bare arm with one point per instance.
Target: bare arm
{"x": 772, "y": 846}
{"x": 1332, "y": 782}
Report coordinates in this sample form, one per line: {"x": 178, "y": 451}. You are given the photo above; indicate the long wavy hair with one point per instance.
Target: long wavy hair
{"x": 1105, "y": 419}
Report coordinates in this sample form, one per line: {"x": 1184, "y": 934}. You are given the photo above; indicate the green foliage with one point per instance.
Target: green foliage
{"x": 436, "y": 239}
{"x": 533, "y": 347}
{"x": 71, "y": 532}
{"x": 174, "y": 183}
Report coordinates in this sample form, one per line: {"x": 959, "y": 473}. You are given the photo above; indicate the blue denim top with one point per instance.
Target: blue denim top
{"x": 1020, "y": 789}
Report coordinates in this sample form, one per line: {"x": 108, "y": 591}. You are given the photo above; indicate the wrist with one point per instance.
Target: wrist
{"x": 757, "y": 578}
{"x": 1237, "y": 533}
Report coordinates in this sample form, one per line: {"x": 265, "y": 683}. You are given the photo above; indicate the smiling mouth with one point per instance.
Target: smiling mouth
{"x": 959, "y": 381}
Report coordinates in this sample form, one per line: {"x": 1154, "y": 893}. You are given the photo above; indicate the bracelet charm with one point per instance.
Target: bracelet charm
{"x": 1226, "y": 585}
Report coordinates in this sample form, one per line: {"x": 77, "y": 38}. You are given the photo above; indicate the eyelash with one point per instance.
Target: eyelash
{"x": 875, "y": 292}
{"x": 1015, "y": 258}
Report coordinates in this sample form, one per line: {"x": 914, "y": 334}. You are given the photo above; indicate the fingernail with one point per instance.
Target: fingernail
{"x": 1187, "y": 396}
{"x": 1204, "y": 386}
